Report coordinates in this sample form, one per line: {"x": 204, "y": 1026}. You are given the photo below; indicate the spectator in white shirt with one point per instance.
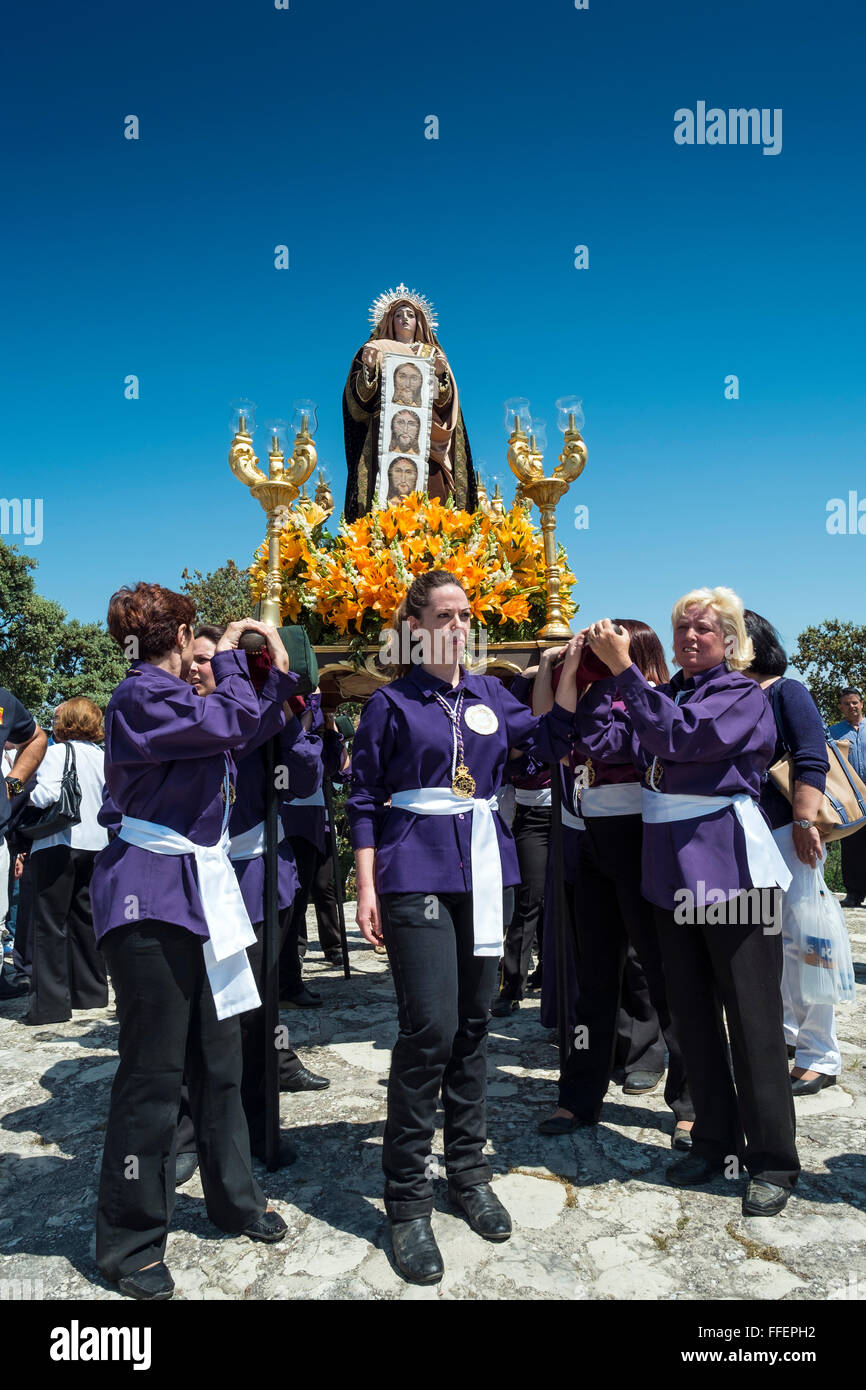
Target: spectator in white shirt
{"x": 68, "y": 972}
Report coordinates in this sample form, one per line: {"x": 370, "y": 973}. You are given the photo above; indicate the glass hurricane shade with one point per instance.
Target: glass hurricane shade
{"x": 301, "y": 409}
{"x": 240, "y": 410}
{"x": 279, "y": 430}
{"x": 569, "y": 405}
{"x": 517, "y": 409}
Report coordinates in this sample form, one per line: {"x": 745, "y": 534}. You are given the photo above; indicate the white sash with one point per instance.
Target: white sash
{"x": 532, "y": 796}
{"x": 485, "y": 860}
{"x": 250, "y": 844}
{"x": 317, "y": 799}
{"x": 618, "y": 799}
{"x": 766, "y": 865}
{"x": 573, "y": 822}
{"x": 228, "y": 970}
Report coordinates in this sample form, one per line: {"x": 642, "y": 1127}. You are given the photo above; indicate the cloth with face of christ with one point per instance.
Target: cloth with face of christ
{"x": 450, "y": 472}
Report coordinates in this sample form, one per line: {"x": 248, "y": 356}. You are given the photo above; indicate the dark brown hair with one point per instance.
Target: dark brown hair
{"x": 210, "y": 632}
{"x": 417, "y": 597}
{"x": 645, "y": 650}
{"x": 151, "y": 616}
{"x": 79, "y": 719}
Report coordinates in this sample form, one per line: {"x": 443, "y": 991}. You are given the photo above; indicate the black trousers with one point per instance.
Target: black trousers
{"x": 611, "y": 913}
{"x": 168, "y": 1023}
{"x": 443, "y": 1001}
{"x": 307, "y": 858}
{"x": 531, "y": 831}
{"x": 853, "y": 849}
{"x": 324, "y": 895}
{"x": 640, "y": 1043}
{"x": 253, "y": 1052}
{"x": 738, "y": 969}
{"x": 68, "y": 972}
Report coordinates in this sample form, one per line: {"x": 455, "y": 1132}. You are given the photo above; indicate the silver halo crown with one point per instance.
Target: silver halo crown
{"x": 380, "y": 306}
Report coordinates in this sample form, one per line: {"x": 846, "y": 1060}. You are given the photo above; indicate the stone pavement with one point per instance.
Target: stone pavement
{"x": 593, "y": 1217}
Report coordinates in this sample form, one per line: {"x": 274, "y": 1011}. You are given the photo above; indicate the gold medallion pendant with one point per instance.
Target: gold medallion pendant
{"x": 463, "y": 783}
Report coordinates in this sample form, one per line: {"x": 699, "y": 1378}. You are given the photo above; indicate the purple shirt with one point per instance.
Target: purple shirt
{"x": 404, "y": 741}
{"x": 311, "y": 822}
{"x": 603, "y": 736}
{"x": 717, "y": 742}
{"x": 165, "y": 759}
{"x": 300, "y": 754}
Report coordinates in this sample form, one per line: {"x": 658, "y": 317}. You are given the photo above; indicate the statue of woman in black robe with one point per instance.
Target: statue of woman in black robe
{"x": 404, "y": 323}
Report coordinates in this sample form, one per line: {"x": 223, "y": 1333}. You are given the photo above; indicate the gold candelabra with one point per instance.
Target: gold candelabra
{"x": 275, "y": 493}
{"x": 526, "y": 463}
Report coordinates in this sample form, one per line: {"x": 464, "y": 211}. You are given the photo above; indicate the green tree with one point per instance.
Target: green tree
{"x": 221, "y": 597}
{"x": 87, "y": 662}
{"x": 43, "y": 658}
{"x": 30, "y": 628}
{"x": 831, "y": 656}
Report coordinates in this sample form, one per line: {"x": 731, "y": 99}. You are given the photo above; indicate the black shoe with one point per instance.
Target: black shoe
{"x": 504, "y": 1008}
{"x": 304, "y": 1080}
{"x": 307, "y": 999}
{"x": 30, "y": 1022}
{"x": 850, "y": 901}
{"x": 13, "y": 990}
{"x": 270, "y": 1227}
{"x": 155, "y": 1283}
{"x": 764, "y": 1198}
{"x": 693, "y": 1170}
{"x": 285, "y": 1153}
{"x": 185, "y": 1166}
{"x": 641, "y": 1083}
{"x": 800, "y": 1087}
{"x": 416, "y": 1254}
{"x": 681, "y": 1138}
{"x": 792, "y": 1051}
{"x": 534, "y": 980}
{"x": 561, "y": 1124}
{"x": 483, "y": 1210}
{"x": 334, "y": 957}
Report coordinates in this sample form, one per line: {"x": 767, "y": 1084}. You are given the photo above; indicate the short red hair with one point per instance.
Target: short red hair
{"x": 79, "y": 719}
{"x": 150, "y": 616}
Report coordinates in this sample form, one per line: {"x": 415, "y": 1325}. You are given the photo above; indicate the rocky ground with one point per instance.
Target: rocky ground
{"x": 593, "y": 1216}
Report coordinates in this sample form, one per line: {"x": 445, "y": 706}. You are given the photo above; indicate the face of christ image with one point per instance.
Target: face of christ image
{"x": 407, "y": 385}
{"x": 402, "y": 478}
{"x": 405, "y": 429}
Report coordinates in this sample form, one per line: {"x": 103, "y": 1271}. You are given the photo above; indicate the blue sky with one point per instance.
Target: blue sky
{"x": 305, "y": 126}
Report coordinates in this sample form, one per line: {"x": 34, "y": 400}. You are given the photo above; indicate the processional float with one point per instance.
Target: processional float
{"x": 409, "y": 376}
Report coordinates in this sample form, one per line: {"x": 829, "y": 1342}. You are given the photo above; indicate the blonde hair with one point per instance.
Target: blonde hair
{"x": 728, "y": 607}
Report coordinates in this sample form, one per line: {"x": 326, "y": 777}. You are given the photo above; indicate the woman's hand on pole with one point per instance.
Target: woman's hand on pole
{"x": 566, "y": 693}
{"x": 610, "y": 646}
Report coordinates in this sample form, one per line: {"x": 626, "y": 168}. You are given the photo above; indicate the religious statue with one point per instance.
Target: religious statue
{"x": 401, "y": 419}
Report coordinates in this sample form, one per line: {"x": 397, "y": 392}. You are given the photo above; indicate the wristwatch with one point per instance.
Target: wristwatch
{"x": 15, "y": 785}
{"x": 804, "y": 824}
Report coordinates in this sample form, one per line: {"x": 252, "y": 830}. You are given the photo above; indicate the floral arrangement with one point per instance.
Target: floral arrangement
{"x": 351, "y": 584}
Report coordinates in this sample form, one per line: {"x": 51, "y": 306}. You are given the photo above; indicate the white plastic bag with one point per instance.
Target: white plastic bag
{"x": 824, "y": 964}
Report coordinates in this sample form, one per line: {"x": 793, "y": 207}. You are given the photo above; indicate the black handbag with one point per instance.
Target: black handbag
{"x": 64, "y": 812}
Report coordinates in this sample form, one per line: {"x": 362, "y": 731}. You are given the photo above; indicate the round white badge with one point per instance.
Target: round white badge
{"x": 481, "y": 719}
